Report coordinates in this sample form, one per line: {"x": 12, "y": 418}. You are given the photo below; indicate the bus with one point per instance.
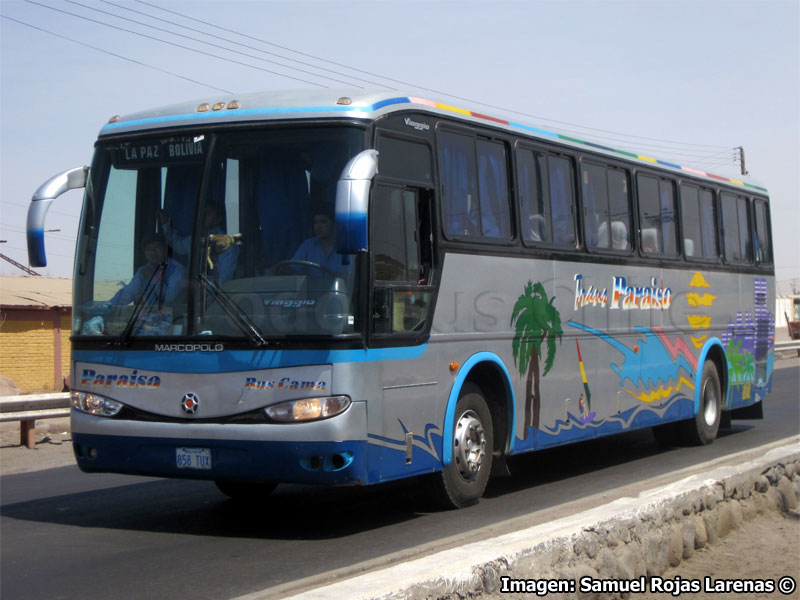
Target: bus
{"x": 346, "y": 290}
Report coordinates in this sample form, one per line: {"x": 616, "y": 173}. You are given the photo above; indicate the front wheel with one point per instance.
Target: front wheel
{"x": 462, "y": 482}
{"x": 702, "y": 430}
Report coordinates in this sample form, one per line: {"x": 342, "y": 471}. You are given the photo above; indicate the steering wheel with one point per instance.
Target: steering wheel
{"x": 285, "y": 267}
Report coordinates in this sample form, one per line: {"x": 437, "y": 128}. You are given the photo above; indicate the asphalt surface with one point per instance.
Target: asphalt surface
{"x": 66, "y": 534}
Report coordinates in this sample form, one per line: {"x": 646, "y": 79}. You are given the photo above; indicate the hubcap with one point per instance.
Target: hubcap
{"x": 469, "y": 445}
{"x": 710, "y": 403}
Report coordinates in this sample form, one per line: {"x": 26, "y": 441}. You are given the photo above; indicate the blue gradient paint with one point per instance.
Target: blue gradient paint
{"x": 236, "y": 460}
{"x": 36, "y": 253}
{"x": 231, "y": 361}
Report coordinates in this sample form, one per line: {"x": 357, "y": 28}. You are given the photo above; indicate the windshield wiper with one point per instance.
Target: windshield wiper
{"x": 141, "y": 303}
{"x": 235, "y": 312}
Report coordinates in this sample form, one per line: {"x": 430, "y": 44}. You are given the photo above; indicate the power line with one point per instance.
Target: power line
{"x": 697, "y": 154}
{"x": 63, "y": 37}
{"x": 150, "y": 37}
{"x": 404, "y": 83}
{"x": 188, "y": 37}
{"x": 330, "y": 62}
{"x": 138, "y": 12}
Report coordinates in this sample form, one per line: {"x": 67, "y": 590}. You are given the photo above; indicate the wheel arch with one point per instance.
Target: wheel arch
{"x": 714, "y": 351}
{"x": 489, "y": 373}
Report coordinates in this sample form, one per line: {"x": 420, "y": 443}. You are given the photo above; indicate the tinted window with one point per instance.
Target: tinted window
{"x": 763, "y": 246}
{"x": 546, "y": 198}
{"x": 606, "y": 204}
{"x": 657, "y": 216}
{"x": 475, "y": 197}
{"x": 690, "y": 221}
{"x": 459, "y": 184}
{"x": 394, "y": 234}
{"x": 401, "y": 247}
{"x": 736, "y": 229}
{"x": 493, "y": 187}
{"x": 699, "y": 223}
{"x": 402, "y": 159}
{"x": 708, "y": 224}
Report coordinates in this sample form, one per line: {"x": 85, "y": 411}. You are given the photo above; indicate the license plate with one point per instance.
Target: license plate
{"x": 193, "y": 458}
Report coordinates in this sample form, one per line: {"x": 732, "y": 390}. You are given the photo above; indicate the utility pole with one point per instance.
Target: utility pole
{"x": 741, "y": 160}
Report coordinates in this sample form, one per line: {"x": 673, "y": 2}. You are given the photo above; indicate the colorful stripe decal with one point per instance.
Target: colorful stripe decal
{"x": 424, "y": 102}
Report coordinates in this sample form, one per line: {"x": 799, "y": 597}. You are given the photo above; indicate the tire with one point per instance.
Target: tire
{"x": 702, "y": 430}
{"x": 246, "y": 492}
{"x": 463, "y": 481}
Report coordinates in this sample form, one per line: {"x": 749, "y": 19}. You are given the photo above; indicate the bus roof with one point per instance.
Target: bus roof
{"x": 267, "y": 106}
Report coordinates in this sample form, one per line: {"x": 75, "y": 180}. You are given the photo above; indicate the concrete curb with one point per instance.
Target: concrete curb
{"x": 625, "y": 539}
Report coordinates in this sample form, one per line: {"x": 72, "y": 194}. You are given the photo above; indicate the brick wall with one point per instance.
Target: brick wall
{"x": 35, "y": 348}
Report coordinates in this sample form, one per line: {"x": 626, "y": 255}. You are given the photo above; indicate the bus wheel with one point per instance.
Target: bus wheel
{"x": 462, "y": 482}
{"x": 702, "y": 430}
{"x": 245, "y": 491}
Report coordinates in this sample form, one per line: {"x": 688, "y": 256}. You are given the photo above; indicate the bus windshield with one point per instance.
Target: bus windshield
{"x": 225, "y": 234}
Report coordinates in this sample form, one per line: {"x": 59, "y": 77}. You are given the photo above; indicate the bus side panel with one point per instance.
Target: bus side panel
{"x": 623, "y": 345}
{"x": 404, "y": 419}
{"x": 748, "y": 339}
{"x": 617, "y": 347}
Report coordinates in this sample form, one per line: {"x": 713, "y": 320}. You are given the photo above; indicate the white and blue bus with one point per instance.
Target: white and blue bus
{"x": 318, "y": 289}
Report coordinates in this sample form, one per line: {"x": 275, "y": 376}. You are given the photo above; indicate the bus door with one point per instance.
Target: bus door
{"x": 407, "y": 424}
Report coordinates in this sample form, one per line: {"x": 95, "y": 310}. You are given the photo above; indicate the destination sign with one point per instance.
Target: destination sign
{"x": 152, "y": 152}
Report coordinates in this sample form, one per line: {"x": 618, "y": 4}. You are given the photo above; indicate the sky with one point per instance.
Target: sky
{"x": 686, "y": 81}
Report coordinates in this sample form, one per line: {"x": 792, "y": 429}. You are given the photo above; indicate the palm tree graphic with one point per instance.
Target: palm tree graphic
{"x": 537, "y": 320}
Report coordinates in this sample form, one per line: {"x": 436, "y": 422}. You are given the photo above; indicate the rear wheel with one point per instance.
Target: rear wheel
{"x": 462, "y": 482}
{"x": 702, "y": 430}
{"x": 247, "y": 492}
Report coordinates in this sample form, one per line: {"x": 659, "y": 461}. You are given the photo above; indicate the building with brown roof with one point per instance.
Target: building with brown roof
{"x": 35, "y": 325}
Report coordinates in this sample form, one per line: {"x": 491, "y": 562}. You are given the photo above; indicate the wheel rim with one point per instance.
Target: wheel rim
{"x": 469, "y": 445}
{"x": 710, "y": 403}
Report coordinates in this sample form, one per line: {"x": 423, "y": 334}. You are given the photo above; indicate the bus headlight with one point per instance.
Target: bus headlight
{"x": 94, "y": 404}
{"x": 307, "y": 409}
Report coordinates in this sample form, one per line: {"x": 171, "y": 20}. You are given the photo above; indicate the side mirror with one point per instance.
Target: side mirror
{"x": 40, "y": 204}
{"x": 352, "y": 202}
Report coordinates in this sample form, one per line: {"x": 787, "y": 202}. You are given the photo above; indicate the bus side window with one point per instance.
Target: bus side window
{"x": 699, "y": 223}
{"x": 606, "y": 195}
{"x": 475, "y": 193}
{"x": 708, "y": 224}
{"x": 690, "y": 221}
{"x": 402, "y": 258}
{"x": 546, "y": 198}
{"x": 493, "y": 190}
{"x": 736, "y": 229}
{"x": 763, "y": 246}
{"x": 459, "y": 184}
{"x": 657, "y": 216}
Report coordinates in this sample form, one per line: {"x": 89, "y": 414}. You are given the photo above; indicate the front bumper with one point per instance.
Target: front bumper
{"x": 332, "y": 451}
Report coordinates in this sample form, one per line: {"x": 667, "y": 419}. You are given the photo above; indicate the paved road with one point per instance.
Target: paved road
{"x": 70, "y": 535}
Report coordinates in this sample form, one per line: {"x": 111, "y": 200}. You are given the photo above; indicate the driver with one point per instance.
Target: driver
{"x": 166, "y": 275}
{"x": 320, "y": 248}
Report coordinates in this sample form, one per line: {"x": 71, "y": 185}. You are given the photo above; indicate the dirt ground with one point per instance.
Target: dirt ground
{"x": 766, "y": 548}
{"x": 53, "y": 447}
